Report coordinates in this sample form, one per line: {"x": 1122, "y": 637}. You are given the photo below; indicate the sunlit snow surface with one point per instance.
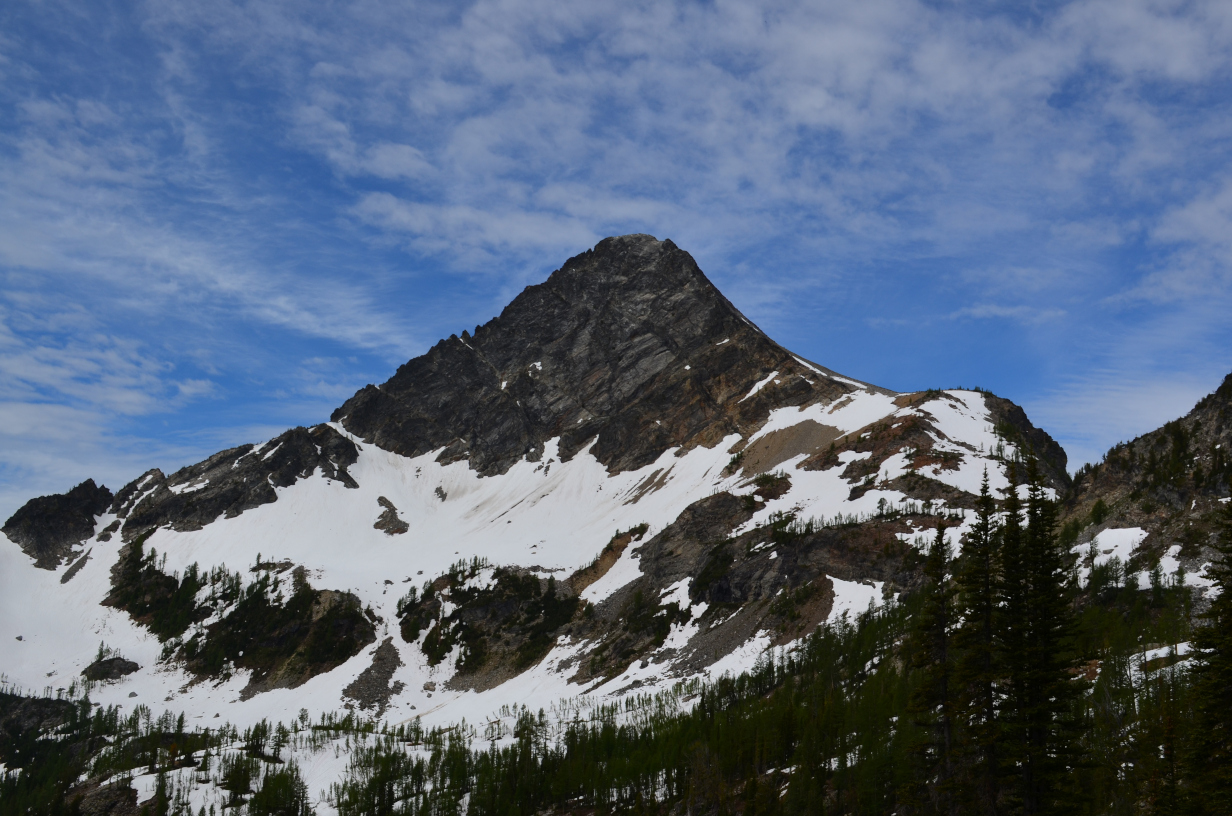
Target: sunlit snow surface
{"x": 552, "y": 515}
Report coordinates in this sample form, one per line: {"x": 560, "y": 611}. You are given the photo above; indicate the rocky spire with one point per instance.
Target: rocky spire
{"x": 628, "y": 344}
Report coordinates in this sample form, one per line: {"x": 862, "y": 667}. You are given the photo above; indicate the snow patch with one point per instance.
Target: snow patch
{"x": 852, "y": 598}
{"x": 1117, "y": 543}
{"x": 759, "y": 386}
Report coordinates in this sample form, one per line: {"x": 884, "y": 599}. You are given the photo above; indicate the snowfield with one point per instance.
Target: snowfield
{"x": 549, "y": 515}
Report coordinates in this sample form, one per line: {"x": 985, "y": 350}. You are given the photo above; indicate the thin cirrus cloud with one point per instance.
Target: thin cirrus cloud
{"x": 253, "y": 208}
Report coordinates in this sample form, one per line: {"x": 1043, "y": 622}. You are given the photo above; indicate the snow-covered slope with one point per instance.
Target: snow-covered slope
{"x": 617, "y": 484}
{"x": 551, "y": 516}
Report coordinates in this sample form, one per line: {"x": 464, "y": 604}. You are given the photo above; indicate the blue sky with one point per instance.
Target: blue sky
{"x": 219, "y": 219}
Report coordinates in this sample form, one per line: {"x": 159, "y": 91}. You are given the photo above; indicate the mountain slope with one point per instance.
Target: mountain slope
{"x": 1155, "y": 500}
{"x": 618, "y": 483}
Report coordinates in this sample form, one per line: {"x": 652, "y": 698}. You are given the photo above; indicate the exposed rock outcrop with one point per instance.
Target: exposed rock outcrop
{"x": 372, "y": 689}
{"x": 22, "y": 714}
{"x": 235, "y": 480}
{"x": 109, "y": 668}
{"x": 389, "y": 522}
{"x": 1012, "y": 423}
{"x": 628, "y": 344}
{"x": 49, "y": 527}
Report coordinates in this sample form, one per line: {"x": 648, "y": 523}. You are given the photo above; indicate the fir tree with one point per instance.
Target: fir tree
{"x": 1210, "y": 754}
{"x": 976, "y": 667}
{"x": 932, "y": 703}
{"x": 1013, "y": 583}
{"x": 1037, "y": 633}
{"x": 1052, "y": 690}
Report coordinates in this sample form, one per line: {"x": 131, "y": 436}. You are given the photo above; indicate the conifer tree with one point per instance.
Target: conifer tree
{"x": 1011, "y": 639}
{"x": 1210, "y": 754}
{"x": 1052, "y": 690}
{"x": 932, "y": 704}
{"x": 977, "y": 666}
{"x": 1036, "y": 632}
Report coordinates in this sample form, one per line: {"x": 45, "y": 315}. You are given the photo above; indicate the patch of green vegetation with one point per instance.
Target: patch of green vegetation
{"x": 636, "y": 531}
{"x": 769, "y": 480}
{"x": 641, "y": 617}
{"x": 787, "y": 603}
{"x": 77, "y": 741}
{"x": 548, "y": 615}
{"x": 1099, "y": 512}
{"x": 514, "y": 612}
{"x": 166, "y": 604}
{"x": 316, "y": 629}
{"x": 1070, "y": 532}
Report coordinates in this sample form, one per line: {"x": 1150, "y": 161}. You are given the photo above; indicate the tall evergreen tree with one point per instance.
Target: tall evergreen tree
{"x": 1011, "y": 641}
{"x": 1210, "y": 755}
{"x": 1051, "y": 729}
{"x": 1037, "y": 626}
{"x": 933, "y": 702}
{"x": 977, "y": 666}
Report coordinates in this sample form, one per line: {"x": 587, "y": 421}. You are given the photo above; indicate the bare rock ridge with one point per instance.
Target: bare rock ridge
{"x": 48, "y": 527}
{"x": 232, "y": 481}
{"x": 1011, "y": 422}
{"x": 627, "y": 344}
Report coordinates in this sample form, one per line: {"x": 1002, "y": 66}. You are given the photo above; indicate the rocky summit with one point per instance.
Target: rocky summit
{"x": 628, "y": 349}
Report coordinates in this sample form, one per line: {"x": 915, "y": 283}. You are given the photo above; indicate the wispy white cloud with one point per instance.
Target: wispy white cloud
{"x": 215, "y": 189}
{"x": 1025, "y": 314}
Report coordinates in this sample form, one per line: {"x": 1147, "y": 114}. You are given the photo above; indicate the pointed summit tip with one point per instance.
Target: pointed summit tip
{"x": 632, "y": 263}
{"x": 626, "y": 348}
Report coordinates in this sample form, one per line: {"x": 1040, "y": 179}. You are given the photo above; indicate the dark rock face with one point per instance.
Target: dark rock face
{"x": 235, "y": 480}
{"x": 284, "y": 642}
{"x": 389, "y": 522}
{"x": 503, "y": 628}
{"x": 116, "y": 799}
{"x": 22, "y": 714}
{"x": 628, "y": 342}
{"x": 47, "y": 528}
{"x": 1012, "y": 422}
{"x": 112, "y": 668}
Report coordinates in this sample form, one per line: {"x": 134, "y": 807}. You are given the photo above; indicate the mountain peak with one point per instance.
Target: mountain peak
{"x": 627, "y": 344}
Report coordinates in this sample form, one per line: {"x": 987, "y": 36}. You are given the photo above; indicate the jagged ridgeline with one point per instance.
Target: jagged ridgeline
{"x": 615, "y": 550}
